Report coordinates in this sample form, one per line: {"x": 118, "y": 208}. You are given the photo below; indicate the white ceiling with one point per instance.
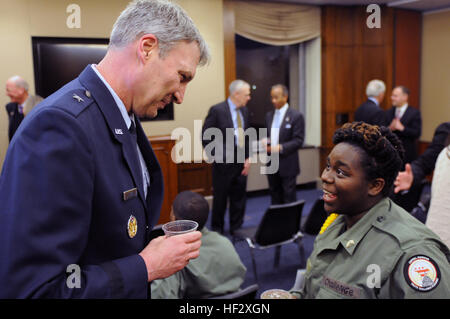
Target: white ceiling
{"x": 419, "y": 5}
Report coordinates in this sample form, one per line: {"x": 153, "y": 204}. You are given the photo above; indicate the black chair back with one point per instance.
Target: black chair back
{"x": 279, "y": 223}
{"x": 316, "y": 218}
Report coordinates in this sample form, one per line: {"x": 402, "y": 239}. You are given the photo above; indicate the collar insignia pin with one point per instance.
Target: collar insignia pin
{"x": 76, "y": 97}
{"x": 350, "y": 243}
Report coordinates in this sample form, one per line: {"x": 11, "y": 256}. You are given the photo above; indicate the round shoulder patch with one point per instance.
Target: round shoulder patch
{"x": 422, "y": 273}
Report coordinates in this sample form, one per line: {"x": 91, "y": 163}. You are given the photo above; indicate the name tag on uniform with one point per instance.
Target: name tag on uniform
{"x": 341, "y": 288}
{"x": 132, "y": 193}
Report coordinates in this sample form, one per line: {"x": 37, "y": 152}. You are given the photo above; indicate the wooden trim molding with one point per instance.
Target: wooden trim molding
{"x": 162, "y": 147}
{"x": 229, "y": 44}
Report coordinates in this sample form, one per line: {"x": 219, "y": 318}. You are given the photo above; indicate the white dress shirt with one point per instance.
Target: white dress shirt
{"x": 278, "y": 117}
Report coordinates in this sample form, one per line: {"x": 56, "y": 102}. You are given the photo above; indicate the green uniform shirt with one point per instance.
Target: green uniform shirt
{"x": 216, "y": 271}
{"x": 386, "y": 254}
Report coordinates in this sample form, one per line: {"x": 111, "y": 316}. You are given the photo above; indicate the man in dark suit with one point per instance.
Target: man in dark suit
{"x": 416, "y": 171}
{"x": 21, "y": 102}
{"x": 370, "y": 111}
{"x": 93, "y": 186}
{"x": 229, "y": 154}
{"x": 405, "y": 121}
{"x": 286, "y": 131}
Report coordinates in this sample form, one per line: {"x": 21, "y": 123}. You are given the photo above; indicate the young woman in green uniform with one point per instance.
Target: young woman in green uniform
{"x": 370, "y": 247}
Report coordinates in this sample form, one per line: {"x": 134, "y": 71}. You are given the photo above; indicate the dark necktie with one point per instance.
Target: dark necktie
{"x": 132, "y": 131}
{"x": 146, "y": 178}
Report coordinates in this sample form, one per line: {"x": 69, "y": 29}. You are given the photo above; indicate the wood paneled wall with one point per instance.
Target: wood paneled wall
{"x": 408, "y": 42}
{"x": 353, "y": 54}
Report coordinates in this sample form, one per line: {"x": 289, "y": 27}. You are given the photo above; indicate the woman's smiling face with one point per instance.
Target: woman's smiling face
{"x": 345, "y": 186}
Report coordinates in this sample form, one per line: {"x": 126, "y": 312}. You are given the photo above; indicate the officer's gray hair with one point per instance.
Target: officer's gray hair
{"x": 166, "y": 20}
{"x": 375, "y": 88}
{"x": 19, "y": 82}
{"x": 236, "y": 85}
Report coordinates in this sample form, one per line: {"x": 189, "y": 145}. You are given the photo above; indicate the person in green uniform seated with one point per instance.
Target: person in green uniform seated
{"x": 218, "y": 270}
{"x": 370, "y": 247}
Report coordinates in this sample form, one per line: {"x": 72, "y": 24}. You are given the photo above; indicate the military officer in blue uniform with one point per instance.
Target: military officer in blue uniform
{"x": 81, "y": 187}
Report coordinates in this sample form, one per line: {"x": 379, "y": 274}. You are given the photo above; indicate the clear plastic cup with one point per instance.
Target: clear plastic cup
{"x": 179, "y": 227}
{"x": 276, "y": 294}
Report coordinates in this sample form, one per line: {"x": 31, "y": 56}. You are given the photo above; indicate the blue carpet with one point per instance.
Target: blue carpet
{"x": 269, "y": 277}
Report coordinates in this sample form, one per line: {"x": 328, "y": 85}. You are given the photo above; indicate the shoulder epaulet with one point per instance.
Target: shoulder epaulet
{"x": 406, "y": 229}
{"x": 74, "y": 101}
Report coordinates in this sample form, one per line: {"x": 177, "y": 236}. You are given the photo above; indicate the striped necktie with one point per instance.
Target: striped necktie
{"x": 240, "y": 130}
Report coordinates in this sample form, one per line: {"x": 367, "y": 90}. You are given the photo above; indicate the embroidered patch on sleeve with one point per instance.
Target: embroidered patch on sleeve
{"x": 422, "y": 273}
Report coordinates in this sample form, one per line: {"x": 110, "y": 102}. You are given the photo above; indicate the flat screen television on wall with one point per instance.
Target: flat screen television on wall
{"x": 58, "y": 61}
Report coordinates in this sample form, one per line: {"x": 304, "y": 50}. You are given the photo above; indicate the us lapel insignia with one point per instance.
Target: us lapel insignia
{"x": 76, "y": 97}
{"x": 287, "y": 118}
{"x": 132, "y": 226}
{"x": 118, "y": 131}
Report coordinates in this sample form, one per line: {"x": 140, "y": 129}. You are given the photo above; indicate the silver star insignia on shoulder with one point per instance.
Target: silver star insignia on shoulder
{"x": 78, "y": 98}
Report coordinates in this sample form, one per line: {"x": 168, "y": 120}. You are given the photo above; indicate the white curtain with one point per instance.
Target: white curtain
{"x": 276, "y": 23}
{"x": 298, "y": 26}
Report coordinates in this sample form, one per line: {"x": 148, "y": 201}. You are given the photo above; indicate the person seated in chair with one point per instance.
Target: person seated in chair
{"x": 217, "y": 271}
{"x": 369, "y": 247}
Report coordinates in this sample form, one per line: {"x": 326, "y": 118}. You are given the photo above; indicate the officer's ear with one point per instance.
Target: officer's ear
{"x": 376, "y": 186}
{"x": 146, "y": 45}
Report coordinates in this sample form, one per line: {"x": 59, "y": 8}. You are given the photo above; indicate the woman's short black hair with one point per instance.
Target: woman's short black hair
{"x": 191, "y": 206}
{"x": 381, "y": 153}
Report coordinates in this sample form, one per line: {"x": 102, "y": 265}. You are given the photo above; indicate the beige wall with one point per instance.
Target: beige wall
{"x": 435, "y": 68}
{"x": 22, "y": 19}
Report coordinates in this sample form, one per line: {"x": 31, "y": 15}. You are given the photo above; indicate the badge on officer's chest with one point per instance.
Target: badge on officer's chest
{"x": 132, "y": 226}
{"x": 131, "y": 193}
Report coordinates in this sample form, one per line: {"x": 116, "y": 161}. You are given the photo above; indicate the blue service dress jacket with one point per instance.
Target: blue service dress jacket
{"x": 67, "y": 198}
